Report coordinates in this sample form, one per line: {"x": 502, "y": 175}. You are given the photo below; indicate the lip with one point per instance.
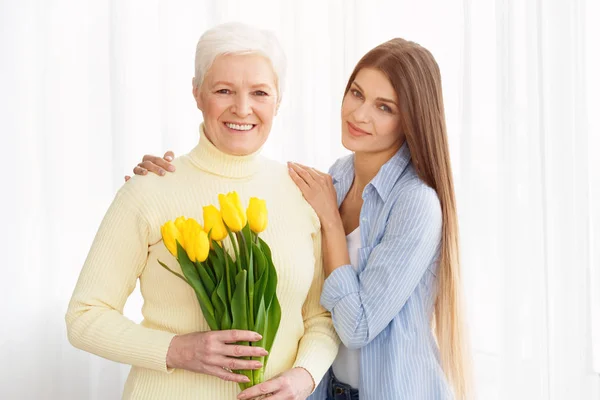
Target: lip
{"x": 356, "y": 131}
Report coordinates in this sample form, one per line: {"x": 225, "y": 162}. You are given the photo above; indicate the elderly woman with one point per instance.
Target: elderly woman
{"x": 237, "y": 86}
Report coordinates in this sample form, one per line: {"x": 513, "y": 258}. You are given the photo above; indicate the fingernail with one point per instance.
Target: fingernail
{"x": 258, "y": 336}
{"x": 257, "y": 365}
{"x": 169, "y": 158}
{"x": 171, "y": 168}
{"x": 162, "y": 172}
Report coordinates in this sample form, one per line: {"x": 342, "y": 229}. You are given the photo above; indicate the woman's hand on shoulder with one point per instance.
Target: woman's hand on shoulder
{"x": 154, "y": 164}
{"x": 318, "y": 190}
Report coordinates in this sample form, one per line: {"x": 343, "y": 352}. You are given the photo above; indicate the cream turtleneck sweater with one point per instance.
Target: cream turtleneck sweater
{"x": 128, "y": 245}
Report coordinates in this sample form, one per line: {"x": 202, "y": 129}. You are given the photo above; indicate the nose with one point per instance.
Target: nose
{"x": 362, "y": 113}
{"x": 242, "y": 106}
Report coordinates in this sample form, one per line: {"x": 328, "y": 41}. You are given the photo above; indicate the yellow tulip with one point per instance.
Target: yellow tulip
{"x": 213, "y": 220}
{"x": 257, "y": 214}
{"x": 170, "y": 234}
{"x": 196, "y": 240}
{"x": 180, "y": 224}
{"x": 232, "y": 211}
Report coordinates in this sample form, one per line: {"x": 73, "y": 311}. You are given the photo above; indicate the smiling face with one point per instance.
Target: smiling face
{"x": 238, "y": 100}
{"x": 370, "y": 114}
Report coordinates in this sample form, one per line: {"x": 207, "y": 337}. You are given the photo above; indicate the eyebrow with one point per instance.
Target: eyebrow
{"x": 222, "y": 83}
{"x": 262, "y": 85}
{"x": 379, "y": 98}
{"x": 256, "y": 86}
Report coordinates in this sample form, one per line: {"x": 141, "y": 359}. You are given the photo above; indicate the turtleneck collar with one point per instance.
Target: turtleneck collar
{"x": 207, "y": 157}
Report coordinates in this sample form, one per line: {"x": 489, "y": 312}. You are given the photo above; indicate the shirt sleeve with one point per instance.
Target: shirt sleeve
{"x": 95, "y": 321}
{"x": 362, "y": 305}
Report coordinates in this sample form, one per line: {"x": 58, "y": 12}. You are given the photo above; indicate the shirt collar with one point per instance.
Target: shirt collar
{"x": 384, "y": 181}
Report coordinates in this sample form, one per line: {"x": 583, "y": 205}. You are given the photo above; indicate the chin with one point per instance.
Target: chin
{"x": 350, "y": 143}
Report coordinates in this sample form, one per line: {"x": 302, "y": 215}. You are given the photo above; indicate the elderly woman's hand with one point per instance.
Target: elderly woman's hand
{"x": 155, "y": 164}
{"x": 294, "y": 384}
{"x": 215, "y": 353}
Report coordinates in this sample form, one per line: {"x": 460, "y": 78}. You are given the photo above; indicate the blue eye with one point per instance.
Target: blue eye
{"x": 385, "y": 108}
{"x": 356, "y": 93}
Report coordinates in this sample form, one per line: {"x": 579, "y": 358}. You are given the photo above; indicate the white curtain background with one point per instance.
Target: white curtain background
{"x": 88, "y": 87}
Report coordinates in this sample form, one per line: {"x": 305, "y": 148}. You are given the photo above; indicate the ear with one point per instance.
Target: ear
{"x": 196, "y": 92}
{"x": 277, "y": 106}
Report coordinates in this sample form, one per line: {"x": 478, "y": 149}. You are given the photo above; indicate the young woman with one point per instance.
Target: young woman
{"x": 390, "y": 235}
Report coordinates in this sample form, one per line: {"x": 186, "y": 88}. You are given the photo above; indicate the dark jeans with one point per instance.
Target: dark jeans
{"x": 340, "y": 391}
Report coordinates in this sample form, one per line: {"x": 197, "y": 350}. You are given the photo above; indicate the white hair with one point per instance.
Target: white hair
{"x": 239, "y": 38}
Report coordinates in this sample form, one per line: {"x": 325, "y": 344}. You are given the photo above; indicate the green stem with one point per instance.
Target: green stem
{"x": 235, "y": 245}
{"x": 227, "y": 277}
{"x": 250, "y": 265}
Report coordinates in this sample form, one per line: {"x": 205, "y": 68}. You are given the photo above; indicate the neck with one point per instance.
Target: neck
{"x": 209, "y": 158}
{"x": 367, "y": 165}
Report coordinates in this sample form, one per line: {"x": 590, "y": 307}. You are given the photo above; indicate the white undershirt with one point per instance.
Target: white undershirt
{"x": 346, "y": 366}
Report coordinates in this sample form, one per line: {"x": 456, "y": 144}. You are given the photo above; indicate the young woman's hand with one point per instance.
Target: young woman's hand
{"x": 317, "y": 188}
{"x": 151, "y": 163}
{"x": 293, "y": 384}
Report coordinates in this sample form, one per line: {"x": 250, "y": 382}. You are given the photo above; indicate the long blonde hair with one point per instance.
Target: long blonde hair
{"x": 416, "y": 78}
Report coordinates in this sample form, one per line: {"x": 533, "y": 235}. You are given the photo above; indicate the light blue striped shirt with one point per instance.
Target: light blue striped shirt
{"x": 385, "y": 307}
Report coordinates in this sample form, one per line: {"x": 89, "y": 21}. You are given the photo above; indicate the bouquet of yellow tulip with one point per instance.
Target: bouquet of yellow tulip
{"x": 234, "y": 293}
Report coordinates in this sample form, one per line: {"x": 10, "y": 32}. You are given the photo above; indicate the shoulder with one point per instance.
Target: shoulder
{"x": 277, "y": 175}
{"x": 342, "y": 166}
{"x": 414, "y": 199}
{"x": 144, "y": 191}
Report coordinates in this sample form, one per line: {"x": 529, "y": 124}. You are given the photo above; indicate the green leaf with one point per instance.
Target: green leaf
{"x": 173, "y": 272}
{"x": 239, "y": 307}
{"x": 270, "y": 297}
{"x": 205, "y": 278}
{"x": 263, "y": 275}
{"x": 271, "y": 288}
{"x": 221, "y": 292}
{"x": 251, "y": 307}
{"x": 191, "y": 274}
{"x": 232, "y": 272}
{"x": 239, "y": 302}
{"x": 216, "y": 265}
{"x": 259, "y": 374}
{"x": 225, "y": 259}
{"x": 219, "y": 308}
{"x": 273, "y": 320}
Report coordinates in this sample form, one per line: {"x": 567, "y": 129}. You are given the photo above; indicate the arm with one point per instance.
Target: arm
{"x": 363, "y": 305}
{"x": 95, "y": 321}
